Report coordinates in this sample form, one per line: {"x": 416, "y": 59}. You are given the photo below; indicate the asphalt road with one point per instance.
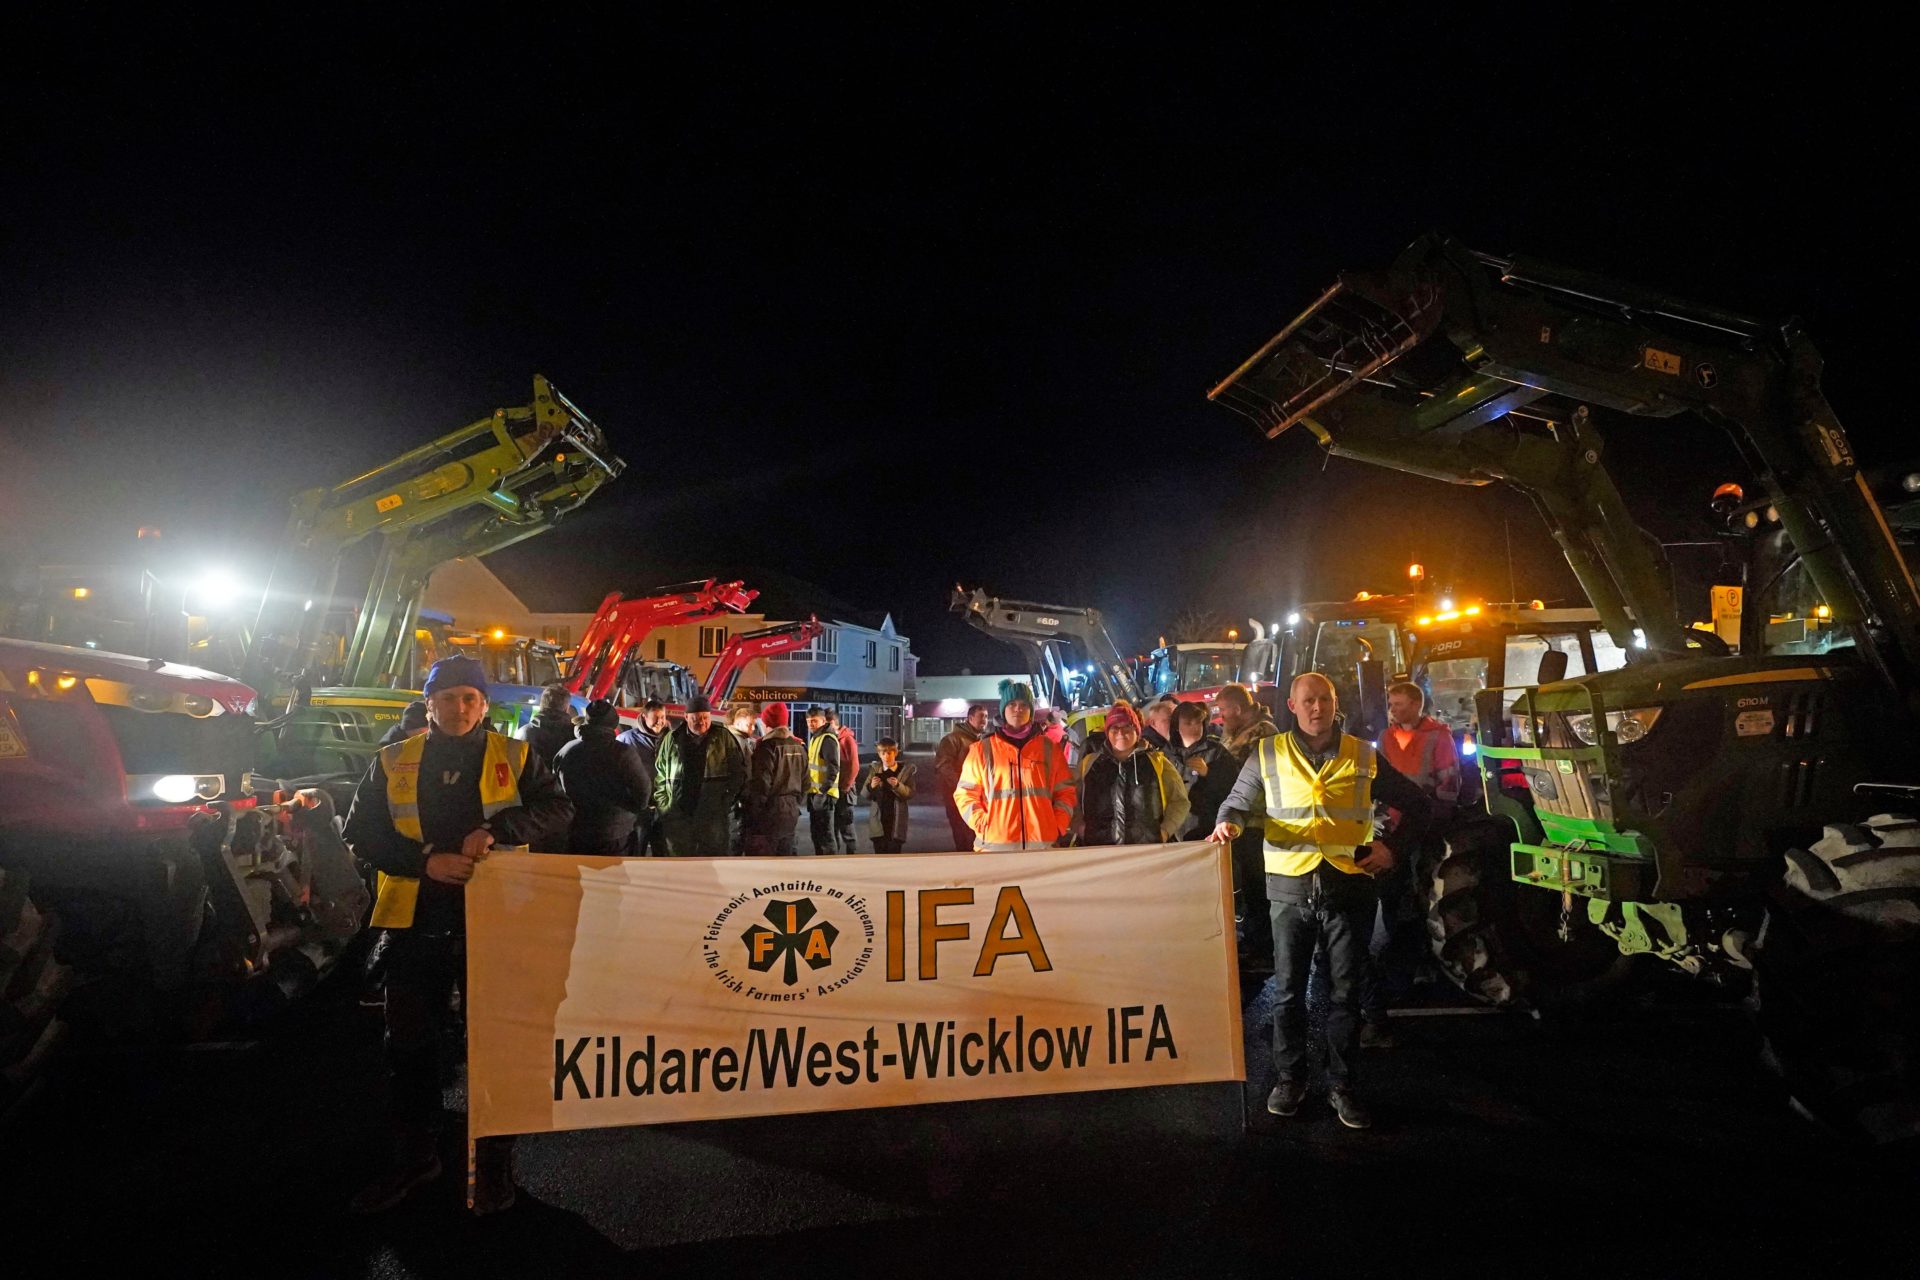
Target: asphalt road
{"x": 1637, "y": 1141}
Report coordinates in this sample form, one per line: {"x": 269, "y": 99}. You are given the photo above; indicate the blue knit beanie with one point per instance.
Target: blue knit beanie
{"x": 455, "y": 672}
{"x": 1012, "y": 691}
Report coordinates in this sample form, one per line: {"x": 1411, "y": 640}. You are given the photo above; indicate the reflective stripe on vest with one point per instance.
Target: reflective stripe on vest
{"x": 1315, "y": 814}
{"x": 821, "y": 780}
{"x": 500, "y": 771}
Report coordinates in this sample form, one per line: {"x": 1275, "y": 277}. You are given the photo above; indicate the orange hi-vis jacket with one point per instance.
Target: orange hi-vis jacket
{"x": 1425, "y": 754}
{"x": 1016, "y": 791}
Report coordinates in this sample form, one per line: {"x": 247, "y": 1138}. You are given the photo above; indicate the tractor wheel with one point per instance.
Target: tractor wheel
{"x": 1838, "y": 967}
{"x": 1499, "y": 941}
{"x": 32, "y": 985}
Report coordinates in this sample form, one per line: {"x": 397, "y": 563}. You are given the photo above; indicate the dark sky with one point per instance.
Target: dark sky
{"x": 876, "y": 306}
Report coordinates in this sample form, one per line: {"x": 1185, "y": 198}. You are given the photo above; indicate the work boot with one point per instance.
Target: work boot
{"x": 415, "y": 1164}
{"x": 1352, "y": 1114}
{"x": 1286, "y": 1097}
{"x": 493, "y": 1189}
{"x": 1376, "y": 1035}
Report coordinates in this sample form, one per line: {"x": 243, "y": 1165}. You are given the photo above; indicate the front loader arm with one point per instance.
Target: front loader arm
{"x": 751, "y": 646}
{"x": 621, "y": 624}
{"x": 520, "y": 468}
{"x": 1043, "y": 630}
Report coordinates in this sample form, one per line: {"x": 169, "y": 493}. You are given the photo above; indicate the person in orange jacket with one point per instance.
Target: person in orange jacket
{"x": 1016, "y": 789}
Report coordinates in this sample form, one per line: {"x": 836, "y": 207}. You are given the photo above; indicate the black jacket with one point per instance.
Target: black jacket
{"x": 778, "y": 770}
{"x": 547, "y": 733}
{"x": 397, "y": 733}
{"x": 609, "y": 787}
{"x": 1120, "y": 801}
{"x": 1204, "y": 793}
{"x": 449, "y": 811}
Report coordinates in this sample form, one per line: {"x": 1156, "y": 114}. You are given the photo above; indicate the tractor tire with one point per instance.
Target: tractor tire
{"x": 1837, "y": 964}
{"x": 1498, "y": 941}
{"x": 32, "y": 986}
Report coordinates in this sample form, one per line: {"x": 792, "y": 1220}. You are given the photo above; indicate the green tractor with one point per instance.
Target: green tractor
{"x": 343, "y": 675}
{"x": 1720, "y": 807}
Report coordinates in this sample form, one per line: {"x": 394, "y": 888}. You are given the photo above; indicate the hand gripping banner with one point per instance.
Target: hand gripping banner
{"x": 608, "y": 991}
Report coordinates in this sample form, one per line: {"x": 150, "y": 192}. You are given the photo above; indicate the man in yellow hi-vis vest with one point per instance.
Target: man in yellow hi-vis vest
{"x": 1314, "y": 789}
{"x": 428, "y": 810}
{"x": 823, "y": 781}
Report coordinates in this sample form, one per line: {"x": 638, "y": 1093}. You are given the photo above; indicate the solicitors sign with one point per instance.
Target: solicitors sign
{"x": 608, "y": 991}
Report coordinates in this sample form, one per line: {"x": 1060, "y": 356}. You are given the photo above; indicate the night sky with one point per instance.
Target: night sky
{"x": 877, "y": 306}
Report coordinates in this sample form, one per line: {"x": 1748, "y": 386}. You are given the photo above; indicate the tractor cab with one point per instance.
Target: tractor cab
{"x": 1191, "y": 672}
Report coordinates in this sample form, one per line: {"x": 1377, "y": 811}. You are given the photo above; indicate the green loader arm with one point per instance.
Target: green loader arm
{"x": 487, "y": 485}
{"x": 1473, "y": 369}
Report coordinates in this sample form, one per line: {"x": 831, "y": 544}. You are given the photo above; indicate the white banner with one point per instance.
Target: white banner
{"x": 610, "y": 991}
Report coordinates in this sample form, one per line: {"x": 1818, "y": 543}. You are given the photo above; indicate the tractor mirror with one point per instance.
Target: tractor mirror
{"x": 1553, "y": 666}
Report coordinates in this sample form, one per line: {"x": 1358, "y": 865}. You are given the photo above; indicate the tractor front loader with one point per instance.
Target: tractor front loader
{"x": 1699, "y": 805}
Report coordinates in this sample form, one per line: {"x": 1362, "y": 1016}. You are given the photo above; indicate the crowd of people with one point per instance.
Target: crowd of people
{"x": 1323, "y": 827}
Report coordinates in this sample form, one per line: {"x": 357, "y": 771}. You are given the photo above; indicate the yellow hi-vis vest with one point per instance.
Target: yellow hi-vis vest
{"x": 397, "y": 896}
{"x": 1316, "y": 814}
{"x": 822, "y": 779}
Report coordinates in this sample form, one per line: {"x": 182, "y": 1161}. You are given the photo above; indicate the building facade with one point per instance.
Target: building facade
{"x": 941, "y": 702}
{"x": 861, "y": 671}
{"x": 476, "y": 599}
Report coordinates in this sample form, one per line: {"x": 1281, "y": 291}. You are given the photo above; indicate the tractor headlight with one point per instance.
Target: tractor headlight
{"x": 1522, "y": 730}
{"x": 179, "y": 788}
{"x": 1627, "y": 726}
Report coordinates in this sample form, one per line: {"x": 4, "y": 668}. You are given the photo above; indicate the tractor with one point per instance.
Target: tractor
{"x": 1723, "y": 808}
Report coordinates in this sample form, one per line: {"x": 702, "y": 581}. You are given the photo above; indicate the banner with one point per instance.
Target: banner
{"x": 611, "y": 991}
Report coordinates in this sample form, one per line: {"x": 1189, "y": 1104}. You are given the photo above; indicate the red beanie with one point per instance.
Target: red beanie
{"x": 774, "y": 715}
{"x": 1122, "y": 713}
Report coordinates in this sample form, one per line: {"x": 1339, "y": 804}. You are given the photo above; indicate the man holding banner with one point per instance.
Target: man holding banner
{"x": 430, "y": 808}
{"x": 1314, "y": 789}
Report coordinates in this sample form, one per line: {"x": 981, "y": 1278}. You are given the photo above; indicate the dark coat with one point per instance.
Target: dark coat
{"x": 776, "y": 780}
{"x": 610, "y": 788}
{"x": 695, "y": 782}
{"x": 546, "y": 733}
{"x": 1205, "y": 793}
{"x": 645, "y": 742}
{"x": 887, "y": 793}
{"x": 949, "y": 756}
{"x": 449, "y": 811}
{"x": 1121, "y": 801}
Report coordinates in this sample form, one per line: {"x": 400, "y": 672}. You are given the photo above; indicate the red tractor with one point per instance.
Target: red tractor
{"x": 138, "y": 868}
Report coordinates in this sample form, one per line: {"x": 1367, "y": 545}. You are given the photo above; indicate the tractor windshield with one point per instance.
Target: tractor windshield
{"x": 1799, "y": 621}
{"x": 1208, "y": 668}
{"x": 1342, "y": 644}
{"x": 1467, "y": 667}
